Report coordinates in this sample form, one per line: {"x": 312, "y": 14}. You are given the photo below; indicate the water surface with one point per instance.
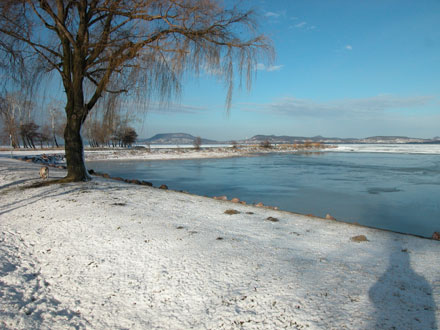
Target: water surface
{"x": 399, "y": 192}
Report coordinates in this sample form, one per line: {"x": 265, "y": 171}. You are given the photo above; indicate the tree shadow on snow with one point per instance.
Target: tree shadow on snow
{"x": 45, "y": 194}
{"x": 25, "y": 300}
{"x": 401, "y": 297}
{"x": 15, "y": 183}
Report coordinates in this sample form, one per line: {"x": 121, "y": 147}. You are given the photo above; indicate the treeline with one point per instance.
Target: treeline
{"x": 111, "y": 126}
{"x": 18, "y": 126}
{"x": 25, "y": 125}
{"x": 100, "y": 134}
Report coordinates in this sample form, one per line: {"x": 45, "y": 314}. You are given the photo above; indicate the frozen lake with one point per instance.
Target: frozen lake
{"x": 399, "y": 192}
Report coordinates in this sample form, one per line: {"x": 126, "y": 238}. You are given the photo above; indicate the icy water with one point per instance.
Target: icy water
{"x": 399, "y": 192}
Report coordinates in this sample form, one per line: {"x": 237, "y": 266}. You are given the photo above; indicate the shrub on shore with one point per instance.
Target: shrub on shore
{"x": 266, "y": 144}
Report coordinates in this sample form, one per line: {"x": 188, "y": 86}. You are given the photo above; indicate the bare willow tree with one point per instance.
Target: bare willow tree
{"x": 137, "y": 48}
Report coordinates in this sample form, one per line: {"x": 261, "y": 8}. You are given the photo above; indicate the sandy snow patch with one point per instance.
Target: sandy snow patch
{"x": 109, "y": 255}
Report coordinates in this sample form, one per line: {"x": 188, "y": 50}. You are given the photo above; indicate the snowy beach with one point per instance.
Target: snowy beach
{"x": 110, "y": 255}
{"x": 168, "y": 152}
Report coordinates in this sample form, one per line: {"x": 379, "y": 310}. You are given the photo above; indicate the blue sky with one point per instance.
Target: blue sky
{"x": 346, "y": 68}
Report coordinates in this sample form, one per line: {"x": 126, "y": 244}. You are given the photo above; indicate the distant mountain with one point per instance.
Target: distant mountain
{"x": 301, "y": 139}
{"x": 185, "y": 139}
{"x": 174, "y": 138}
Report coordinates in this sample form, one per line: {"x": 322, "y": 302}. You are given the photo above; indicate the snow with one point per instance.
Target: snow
{"x": 109, "y": 255}
{"x": 164, "y": 153}
{"x": 390, "y": 148}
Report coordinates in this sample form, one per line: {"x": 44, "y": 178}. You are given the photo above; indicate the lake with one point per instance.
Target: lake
{"x": 399, "y": 192}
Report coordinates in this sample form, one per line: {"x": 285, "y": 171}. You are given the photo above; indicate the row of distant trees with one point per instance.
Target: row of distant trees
{"x": 19, "y": 126}
{"x": 110, "y": 127}
{"x": 140, "y": 50}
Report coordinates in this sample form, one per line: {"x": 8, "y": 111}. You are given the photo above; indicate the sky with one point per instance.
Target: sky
{"x": 343, "y": 68}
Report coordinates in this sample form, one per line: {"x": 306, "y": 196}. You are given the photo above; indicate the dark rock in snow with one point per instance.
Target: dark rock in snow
{"x": 359, "y": 238}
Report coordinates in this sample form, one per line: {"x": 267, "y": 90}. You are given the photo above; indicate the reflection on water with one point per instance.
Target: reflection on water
{"x": 391, "y": 191}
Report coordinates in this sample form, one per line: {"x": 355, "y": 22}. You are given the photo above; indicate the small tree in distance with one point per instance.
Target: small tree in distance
{"x": 29, "y": 133}
{"x": 129, "y": 137}
{"x": 197, "y": 143}
{"x": 266, "y": 144}
{"x": 134, "y": 48}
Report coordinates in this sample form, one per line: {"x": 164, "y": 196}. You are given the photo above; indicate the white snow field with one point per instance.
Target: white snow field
{"x": 389, "y": 148}
{"x": 109, "y": 255}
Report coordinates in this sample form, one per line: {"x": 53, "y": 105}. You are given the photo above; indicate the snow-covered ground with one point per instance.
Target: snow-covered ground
{"x": 171, "y": 152}
{"x": 109, "y": 255}
{"x": 165, "y": 153}
{"x": 390, "y": 148}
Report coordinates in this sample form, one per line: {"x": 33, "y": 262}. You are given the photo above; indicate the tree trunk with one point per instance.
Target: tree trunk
{"x": 14, "y": 141}
{"x": 23, "y": 138}
{"x": 55, "y": 140}
{"x": 74, "y": 147}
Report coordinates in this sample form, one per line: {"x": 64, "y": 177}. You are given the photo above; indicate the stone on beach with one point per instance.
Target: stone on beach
{"x": 231, "y": 212}
{"x": 359, "y": 238}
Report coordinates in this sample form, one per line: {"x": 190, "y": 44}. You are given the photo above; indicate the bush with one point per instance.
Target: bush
{"x": 197, "y": 143}
{"x": 266, "y": 144}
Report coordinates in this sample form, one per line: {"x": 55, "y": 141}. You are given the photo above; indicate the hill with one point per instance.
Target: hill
{"x": 175, "y": 138}
{"x": 184, "y": 138}
{"x": 300, "y": 139}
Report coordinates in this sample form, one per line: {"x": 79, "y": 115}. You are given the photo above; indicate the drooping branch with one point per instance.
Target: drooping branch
{"x": 141, "y": 48}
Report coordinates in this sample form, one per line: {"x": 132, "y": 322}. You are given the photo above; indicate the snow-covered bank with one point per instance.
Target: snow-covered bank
{"x": 108, "y": 255}
{"x": 139, "y": 153}
{"x": 163, "y": 153}
{"x": 390, "y": 148}
{"x": 166, "y": 152}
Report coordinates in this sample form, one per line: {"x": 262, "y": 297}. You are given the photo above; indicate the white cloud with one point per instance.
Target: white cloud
{"x": 349, "y": 47}
{"x": 272, "y": 14}
{"x": 340, "y": 108}
{"x": 274, "y": 68}
{"x": 300, "y": 25}
{"x": 166, "y": 108}
{"x": 176, "y": 108}
{"x": 270, "y": 68}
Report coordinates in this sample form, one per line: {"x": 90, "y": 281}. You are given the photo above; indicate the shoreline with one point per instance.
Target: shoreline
{"x": 165, "y": 154}
{"x": 160, "y": 152}
{"x": 112, "y": 255}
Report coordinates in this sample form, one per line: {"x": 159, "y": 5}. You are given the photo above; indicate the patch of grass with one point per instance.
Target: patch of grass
{"x": 40, "y": 184}
{"x": 47, "y": 183}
